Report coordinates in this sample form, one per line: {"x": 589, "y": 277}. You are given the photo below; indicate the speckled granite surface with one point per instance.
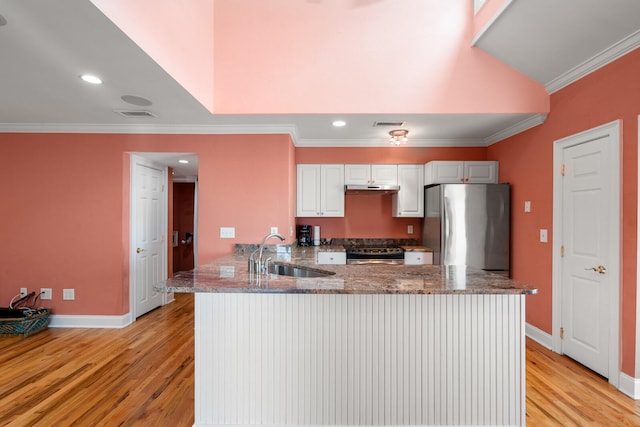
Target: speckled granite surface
{"x": 230, "y": 274}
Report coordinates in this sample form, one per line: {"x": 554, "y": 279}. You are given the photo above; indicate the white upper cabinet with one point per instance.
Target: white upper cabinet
{"x": 456, "y": 172}
{"x": 320, "y": 190}
{"x": 371, "y": 174}
{"x": 409, "y": 201}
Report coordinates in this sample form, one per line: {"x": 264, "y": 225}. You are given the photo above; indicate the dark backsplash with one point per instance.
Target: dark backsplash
{"x": 374, "y": 243}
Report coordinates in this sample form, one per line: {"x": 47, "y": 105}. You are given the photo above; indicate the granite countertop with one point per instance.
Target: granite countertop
{"x": 230, "y": 275}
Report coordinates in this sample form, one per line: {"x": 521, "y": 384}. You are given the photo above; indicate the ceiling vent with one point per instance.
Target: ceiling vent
{"x": 132, "y": 114}
{"x": 392, "y": 124}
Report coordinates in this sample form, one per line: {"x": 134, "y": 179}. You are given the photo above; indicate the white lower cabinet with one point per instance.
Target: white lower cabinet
{"x": 409, "y": 201}
{"x": 335, "y": 258}
{"x": 320, "y": 191}
{"x": 418, "y": 258}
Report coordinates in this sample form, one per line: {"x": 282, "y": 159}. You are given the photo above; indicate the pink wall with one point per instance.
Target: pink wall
{"x": 370, "y": 215}
{"x": 337, "y": 56}
{"x": 526, "y": 162}
{"x": 65, "y": 209}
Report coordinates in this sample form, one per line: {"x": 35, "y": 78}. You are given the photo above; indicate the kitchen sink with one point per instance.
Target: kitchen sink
{"x": 297, "y": 271}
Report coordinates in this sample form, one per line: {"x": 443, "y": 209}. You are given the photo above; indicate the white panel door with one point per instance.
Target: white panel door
{"x": 148, "y": 230}
{"x": 586, "y": 286}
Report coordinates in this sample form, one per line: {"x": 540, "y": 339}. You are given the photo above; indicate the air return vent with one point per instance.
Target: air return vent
{"x": 132, "y": 114}
{"x": 392, "y": 124}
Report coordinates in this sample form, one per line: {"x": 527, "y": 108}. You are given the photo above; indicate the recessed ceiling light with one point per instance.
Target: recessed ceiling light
{"x": 183, "y": 161}
{"x": 91, "y": 79}
{"x": 339, "y": 123}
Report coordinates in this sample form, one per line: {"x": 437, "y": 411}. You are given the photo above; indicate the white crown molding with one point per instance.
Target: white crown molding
{"x": 383, "y": 142}
{"x": 515, "y": 129}
{"x": 596, "y": 62}
{"x": 89, "y": 321}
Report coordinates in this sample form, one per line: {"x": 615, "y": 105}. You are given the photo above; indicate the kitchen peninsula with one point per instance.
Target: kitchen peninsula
{"x": 366, "y": 345}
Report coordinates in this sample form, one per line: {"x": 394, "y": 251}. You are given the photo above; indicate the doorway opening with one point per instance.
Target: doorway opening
{"x": 184, "y": 169}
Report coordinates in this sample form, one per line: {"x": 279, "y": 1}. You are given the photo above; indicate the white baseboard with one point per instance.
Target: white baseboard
{"x": 539, "y": 336}
{"x": 629, "y": 386}
{"x": 88, "y": 321}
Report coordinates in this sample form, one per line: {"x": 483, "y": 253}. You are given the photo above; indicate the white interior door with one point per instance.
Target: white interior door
{"x": 589, "y": 260}
{"x": 148, "y": 234}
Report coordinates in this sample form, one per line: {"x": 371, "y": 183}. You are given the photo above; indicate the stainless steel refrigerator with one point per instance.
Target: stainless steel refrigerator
{"x": 468, "y": 224}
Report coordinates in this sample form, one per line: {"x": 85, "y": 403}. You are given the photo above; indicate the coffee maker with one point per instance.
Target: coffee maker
{"x": 304, "y": 235}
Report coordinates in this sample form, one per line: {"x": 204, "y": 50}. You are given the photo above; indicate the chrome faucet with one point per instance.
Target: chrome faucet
{"x": 257, "y": 265}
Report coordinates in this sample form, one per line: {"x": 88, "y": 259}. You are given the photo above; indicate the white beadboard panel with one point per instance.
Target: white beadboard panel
{"x": 359, "y": 359}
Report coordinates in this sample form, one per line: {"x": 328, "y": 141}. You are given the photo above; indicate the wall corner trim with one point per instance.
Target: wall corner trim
{"x": 89, "y": 321}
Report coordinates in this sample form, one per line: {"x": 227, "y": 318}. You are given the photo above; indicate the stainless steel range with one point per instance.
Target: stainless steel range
{"x": 370, "y": 255}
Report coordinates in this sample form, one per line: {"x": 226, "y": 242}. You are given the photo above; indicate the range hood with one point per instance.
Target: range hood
{"x": 371, "y": 189}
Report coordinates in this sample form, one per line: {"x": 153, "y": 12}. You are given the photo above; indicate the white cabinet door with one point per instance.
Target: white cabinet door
{"x": 357, "y": 174}
{"x": 336, "y": 258}
{"x": 308, "y": 190}
{"x": 332, "y": 190}
{"x": 456, "y": 172}
{"x": 418, "y": 258}
{"x": 409, "y": 201}
{"x": 442, "y": 172}
{"x": 384, "y": 174}
{"x": 481, "y": 172}
{"x": 320, "y": 190}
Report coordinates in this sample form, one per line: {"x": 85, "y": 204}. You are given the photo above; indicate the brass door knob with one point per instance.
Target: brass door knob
{"x": 599, "y": 269}
{"x": 139, "y": 250}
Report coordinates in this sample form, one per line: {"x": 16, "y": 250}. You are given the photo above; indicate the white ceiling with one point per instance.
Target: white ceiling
{"x": 43, "y": 43}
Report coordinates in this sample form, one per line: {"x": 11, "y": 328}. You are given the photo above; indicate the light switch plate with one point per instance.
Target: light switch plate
{"x": 409, "y": 229}
{"x": 527, "y": 206}
{"x": 543, "y": 235}
{"x": 274, "y": 230}
{"x": 227, "y": 232}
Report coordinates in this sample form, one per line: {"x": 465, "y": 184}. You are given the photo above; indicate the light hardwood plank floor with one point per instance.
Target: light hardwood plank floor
{"x": 142, "y": 375}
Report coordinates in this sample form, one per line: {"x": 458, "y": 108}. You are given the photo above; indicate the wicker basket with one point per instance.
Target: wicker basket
{"x": 33, "y": 322}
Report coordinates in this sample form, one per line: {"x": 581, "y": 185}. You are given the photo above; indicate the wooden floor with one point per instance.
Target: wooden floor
{"x": 142, "y": 375}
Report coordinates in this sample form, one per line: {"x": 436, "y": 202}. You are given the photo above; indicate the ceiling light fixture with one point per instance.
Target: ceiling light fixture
{"x": 398, "y": 136}
{"x": 91, "y": 79}
{"x": 339, "y": 123}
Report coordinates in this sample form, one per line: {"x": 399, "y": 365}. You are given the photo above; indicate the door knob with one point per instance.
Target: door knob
{"x": 139, "y": 250}
{"x": 599, "y": 269}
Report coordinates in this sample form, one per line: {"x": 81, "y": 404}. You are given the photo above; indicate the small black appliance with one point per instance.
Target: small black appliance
{"x": 304, "y": 235}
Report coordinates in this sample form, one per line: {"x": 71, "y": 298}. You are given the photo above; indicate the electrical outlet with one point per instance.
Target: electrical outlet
{"x": 274, "y": 230}
{"x": 527, "y": 206}
{"x": 409, "y": 229}
{"x": 23, "y": 292}
{"x": 68, "y": 294}
{"x": 46, "y": 293}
